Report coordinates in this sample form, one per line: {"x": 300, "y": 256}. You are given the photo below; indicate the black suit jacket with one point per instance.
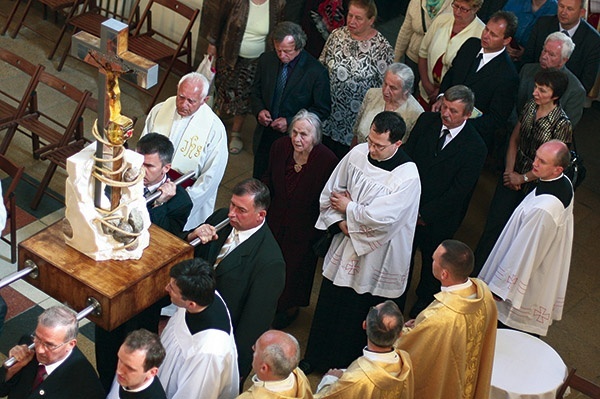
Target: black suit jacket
{"x": 448, "y": 180}
{"x": 307, "y": 87}
{"x": 74, "y": 379}
{"x": 173, "y": 214}
{"x": 250, "y": 279}
{"x": 495, "y": 87}
{"x": 585, "y": 60}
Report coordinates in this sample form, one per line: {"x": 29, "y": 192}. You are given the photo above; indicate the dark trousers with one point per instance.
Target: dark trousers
{"x": 340, "y": 150}
{"x": 263, "y": 151}
{"x": 504, "y": 202}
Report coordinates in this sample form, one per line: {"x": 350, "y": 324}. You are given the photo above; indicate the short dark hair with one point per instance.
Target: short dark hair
{"x": 555, "y": 79}
{"x": 288, "y": 28}
{"x": 458, "y": 259}
{"x": 388, "y": 121}
{"x": 195, "y": 278}
{"x": 510, "y": 19}
{"x": 379, "y": 332}
{"x": 255, "y": 188}
{"x": 144, "y": 340}
{"x": 156, "y": 143}
{"x": 463, "y": 94}
{"x": 367, "y": 5}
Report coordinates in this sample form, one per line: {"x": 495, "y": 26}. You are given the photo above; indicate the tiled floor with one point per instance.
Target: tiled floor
{"x": 575, "y": 338}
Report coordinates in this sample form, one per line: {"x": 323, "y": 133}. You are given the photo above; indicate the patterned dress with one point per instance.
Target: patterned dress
{"x": 354, "y": 67}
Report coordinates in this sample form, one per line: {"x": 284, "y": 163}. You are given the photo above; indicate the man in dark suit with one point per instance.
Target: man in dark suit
{"x": 172, "y": 208}
{"x": 449, "y": 155}
{"x": 484, "y": 66}
{"x": 585, "y": 60}
{"x": 56, "y": 368}
{"x": 248, "y": 262}
{"x": 286, "y": 81}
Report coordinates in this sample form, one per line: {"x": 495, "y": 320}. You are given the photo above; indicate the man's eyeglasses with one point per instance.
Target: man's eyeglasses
{"x": 459, "y": 8}
{"x": 378, "y": 147}
{"x": 47, "y": 346}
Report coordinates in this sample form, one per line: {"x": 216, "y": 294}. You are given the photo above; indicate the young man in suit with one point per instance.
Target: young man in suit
{"x": 483, "y": 65}
{"x": 248, "y": 263}
{"x": 449, "y": 154}
{"x": 585, "y": 60}
{"x": 275, "y": 102}
{"x": 56, "y": 368}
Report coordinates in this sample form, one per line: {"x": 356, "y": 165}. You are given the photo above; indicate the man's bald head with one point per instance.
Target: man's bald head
{"x": 276, "y": 355}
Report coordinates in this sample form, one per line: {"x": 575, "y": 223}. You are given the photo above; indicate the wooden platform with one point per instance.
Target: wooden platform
{"x": 123, "y": 288}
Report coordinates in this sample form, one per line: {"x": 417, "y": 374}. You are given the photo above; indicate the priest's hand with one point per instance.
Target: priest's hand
{"x": 23, "y": 356}
{"x": 340, "y": 200}
{"x": 206, "y": 233}
{"x": 343, "y": 225}
{"x": 335, "y": 372}
{"x": 167, "y": 191}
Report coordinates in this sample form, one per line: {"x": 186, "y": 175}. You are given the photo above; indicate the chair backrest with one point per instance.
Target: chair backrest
{"x": 18, "y": 106}
{"x": 175, "y": 6}
{"x": 47, "y": 126}
{"x": 579, "y": 384}
{"x": 14, "y": 171}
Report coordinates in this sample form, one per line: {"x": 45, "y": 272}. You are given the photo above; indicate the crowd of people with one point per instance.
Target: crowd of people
{"x": 350, "y": 166}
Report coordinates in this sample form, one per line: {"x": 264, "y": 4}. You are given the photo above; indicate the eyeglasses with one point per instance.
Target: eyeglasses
{"x": 47, "y": 346}
{"x": 459, "y": 8}
{"x": 377, "y": 147}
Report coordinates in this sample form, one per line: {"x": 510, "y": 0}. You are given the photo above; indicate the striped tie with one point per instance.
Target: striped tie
{"x": 232, "y": 241}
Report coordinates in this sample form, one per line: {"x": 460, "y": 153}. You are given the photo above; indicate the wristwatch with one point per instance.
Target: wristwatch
{"x": 525, "y": 178}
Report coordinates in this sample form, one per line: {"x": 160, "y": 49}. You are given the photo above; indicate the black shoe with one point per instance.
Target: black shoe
{"x": 305, "y": 367}
{"x": 283, "y": 319}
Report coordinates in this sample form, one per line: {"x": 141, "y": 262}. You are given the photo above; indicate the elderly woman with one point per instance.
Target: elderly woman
{"x": 299, "y": 167}
{"x": 356, "y": 56}
{"x": 418, "y": 19}
{"x": 237, "y": 31}
{"x": 542, "y": 119}
{"x": 442, "y": 41}
{"x": 395, "y": 96}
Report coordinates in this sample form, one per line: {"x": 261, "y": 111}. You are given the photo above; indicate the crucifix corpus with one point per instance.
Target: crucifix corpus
{"x": 110, "y": 55}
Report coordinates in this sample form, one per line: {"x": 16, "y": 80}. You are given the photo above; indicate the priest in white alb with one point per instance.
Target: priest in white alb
{"x": 200, "y": 142}
{"x": 370, "y": 205}
{"x": 528, "y": 268}
{"x": 201, "y": 360}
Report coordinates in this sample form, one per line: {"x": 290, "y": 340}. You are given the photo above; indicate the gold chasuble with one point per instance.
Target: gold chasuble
{"x": 301, "y": 390}
{"x": 373, "y": 380}
{"x": 452, "y": 344}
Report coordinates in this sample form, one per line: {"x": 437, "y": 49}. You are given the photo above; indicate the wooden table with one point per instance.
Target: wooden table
{"x": 123, "y": 288}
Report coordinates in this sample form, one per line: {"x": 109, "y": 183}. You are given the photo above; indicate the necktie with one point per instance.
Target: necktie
{"x": 39, "y": 376}
{"x": 232, "y": 241}
{"x": 566, "y": 32}
{"x": 146, "y": 192}
{"x": 281, "y": 82}
{"x": 441, "y": 141}
{"x": 477, "y": 62}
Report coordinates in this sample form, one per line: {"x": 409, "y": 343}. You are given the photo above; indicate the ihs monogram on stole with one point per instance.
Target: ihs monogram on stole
{"x": 190, "y": 149}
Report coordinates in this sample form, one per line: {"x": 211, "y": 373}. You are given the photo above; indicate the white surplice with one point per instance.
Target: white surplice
{"x": 200, "y": 143}
{"x": 199, "y": 366}
{"x": 381, "y": 219}
{"x": 529, "y": 265}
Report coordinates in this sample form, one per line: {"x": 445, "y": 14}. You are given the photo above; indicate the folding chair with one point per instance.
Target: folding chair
{"x": 151, "y": 44}
{"x": 579, "y": 384}
{"x": 12, "y": 109}
{"x": 58, "y": 154}
{"x": 90, "y": 19}
{"x": 64, "y": 7}
{"x": 15, "y": 172}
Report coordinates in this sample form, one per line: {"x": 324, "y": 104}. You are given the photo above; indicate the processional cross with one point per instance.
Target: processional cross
{"x": 109, "y": 53}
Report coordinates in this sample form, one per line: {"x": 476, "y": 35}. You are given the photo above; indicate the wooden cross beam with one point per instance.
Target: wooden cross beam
{"x": 110, "y": 55}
